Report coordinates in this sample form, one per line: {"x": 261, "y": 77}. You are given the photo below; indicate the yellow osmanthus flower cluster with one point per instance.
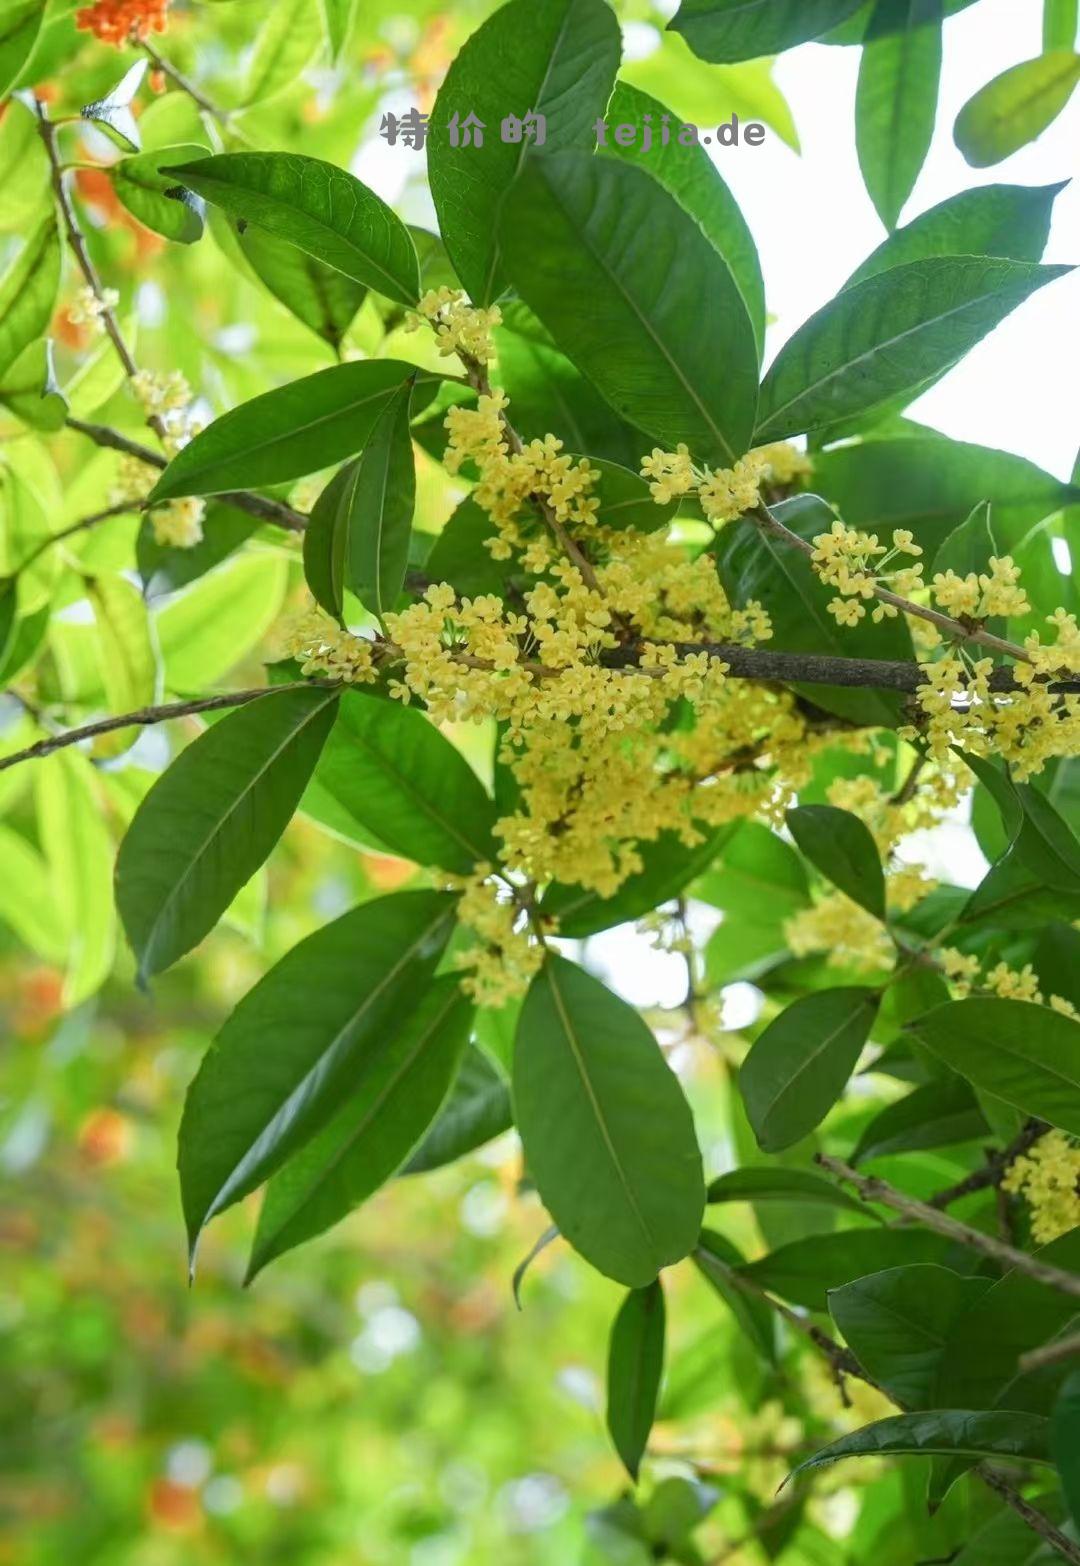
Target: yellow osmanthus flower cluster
{"x": 503, "y": 959}
{"x": 723, "y": 493}
{"x": 178, "y": 523}
{"x": 88, "y": 308}
{"x": 459, "y": 327}
{"x": 855, "y": 564}
{"x": 1049, "y": 1178}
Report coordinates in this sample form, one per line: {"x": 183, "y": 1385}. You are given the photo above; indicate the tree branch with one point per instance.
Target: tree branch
{"x": 1055, "y": 1353}
{"x": 956, "y": 630}
{"x": 146, "y": 716}
{"x": 995, "y": 1168}
{"x": 874, "y": 1190}
{"x": 167, "y": 68}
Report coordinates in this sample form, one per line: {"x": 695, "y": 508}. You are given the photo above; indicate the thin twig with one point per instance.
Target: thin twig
{"x": 874, "y": 1190}
{"x": 993, "y": 1172}
{"x": 118, "y": 510}
{"x": 1055, "y": 1353}
{"x": 910, "y": 786}
{"x": 145, "y": 716}
{"x": 956, "y": 630}
{"x": 177, "y": 77}
{"x": 1034, "y": 1518}
{"x": 104, "y": 435}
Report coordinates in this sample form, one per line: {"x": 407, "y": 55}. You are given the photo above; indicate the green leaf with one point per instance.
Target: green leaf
{"x": 969, "y": 546}
{"x": 994, "y": 220}
{"x": 321, "y": 209}
{"x": 732, "y": 30}
{"x": 477, "y": 1111}
{"x": 323, "y": 298}
{"x": 126, "y": 654}
{"x": 1016, "y": 107}
{"x": 28, "y": 292}
{"x": 888, "y": 336}
{"x": 719, "y": 1261}
{"x": 758, "y": 873}
{"x": 1059, "y": 24}
{"x": 338, "y": 17}
{"x": 1057, "y": 962}
{"x": 28, "y": 905}
{"x": 896, "y": 101}
{"x": 387, "y": 768}
{"x": 668, "y": 866}
{"x": 1039, "y": 876}
{"x": 79, "y": 854}
{"x": 635, "y": 1365}
{"x": 930, "y": 485}
{"x": 935, "y": 1114}
{"x": 798, "y": 1068}
{"x": 284, "y": 434}
{"x": 626, "y": 500}
{"x": 804, "y": 1271}
{"x": 112, "y": 114}
{"x": 703, "y": 94}
{"x": 770, "y": 1184}
{"x": 690, "y": 175}
{"x": 212, "y": 818}
{"x": 1007, "y": 1540}
{"x": 897, "y": 1323}
{"x": 29, "y": 390}
{"x": 212, "y": 626}
{"x": 1065, "y": 1441}
{"x": 358, "y": 537}
{"x": 580, "y": 237}
{"x": 755, "y": 565}
{"x": 458, "y": 555}
{"x": 20, "y": 25}
{"x": 608, "y": 1134}
{"x": 948, "y": 1432}
{"x": 547, "y": 393}
{"x": 1026, "y": 1054}
{"x": 395, "y": 1089}
{"x": 552, "y": 57}
{"x": 330, "y": 1005}
{"x": 165, "y": 570}
{"x": 285, "y": 45}
{"x": 155, "y": 198}
{"x": 841, "y": 847}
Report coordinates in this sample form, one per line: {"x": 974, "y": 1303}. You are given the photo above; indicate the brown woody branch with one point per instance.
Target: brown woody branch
{"x": 1055, "y": 1353}
{"x": 995, "y": 1168}
{"x": 874, "y": 1190}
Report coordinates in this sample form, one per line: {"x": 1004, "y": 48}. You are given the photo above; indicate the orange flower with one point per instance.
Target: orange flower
{"x": 119, "y": 21}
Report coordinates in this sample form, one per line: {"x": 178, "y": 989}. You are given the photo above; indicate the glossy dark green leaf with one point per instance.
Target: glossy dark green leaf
{"x": 896, "y": 101}
{"x": 770, "y": 1184}
{"x": 358, "y": 536}
{"x": 898, "y": 1321}
{"x": 389, "y": 770}
{"x": 28, "y": 292}
{"x": 841, "y": 847}
{"x": 212, "y": 818}
{"x": 289, "y": 432}
{"x": 113, "y": 115}
{"x": 552, "y": 57}
{"x": 459, "y": 556}
{"x": 616, "y": 271}
{"x": 1016, "y": 107}
{"x": 20, "y": 25}
{"x": 890, "y": 335}
{"x": 394, "y": 1092}
{"x": 1026, "y": 1054}
{"x": 691, "y": 176}
{"x": 320, "y": 296}
{"x": 635, "y": 1365}
{"x": 935, "y": 1114}
{"x": 548, "y": 394}
{"x": 969, "y": 546}
{"x": 994, "y": 220}
{"x": 718, "y": 1260}
{"x": 805, "y": 1270}
{"x": 1057, "y": 962}
{"x": 316, "y": 206}
{"x": 608, "y": 1135}
{"x": 755, "y": 565}
{"x": 165, "y": 570}
{"x": 798, "y": 1068}
{"x": 477, "y": 1111}
{"x": 757, "y": 871}
{"x": 158, "y": 200}
{"x": 330, "y": 1005}
{"x": 1065, "y": 1441}
{"x": 626, "y": 500}
{"x": 948, "y": 1432}
{"x": 726, "y": 31}
{"x": 668, "y": 866}
{"x": 930, "y": 485}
